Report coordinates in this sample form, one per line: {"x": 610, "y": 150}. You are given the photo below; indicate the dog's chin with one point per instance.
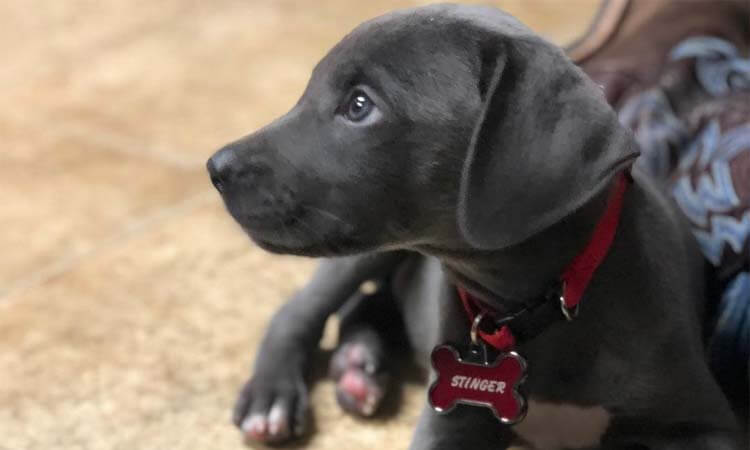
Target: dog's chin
{"x": 294, "y": 232}
{"x": 295, "y": 245}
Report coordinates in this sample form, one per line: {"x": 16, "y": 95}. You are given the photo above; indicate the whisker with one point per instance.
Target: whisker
{"x": 326, "y": 214}
{"x": 314, "y": 232}
{"x": 288, "y": 161}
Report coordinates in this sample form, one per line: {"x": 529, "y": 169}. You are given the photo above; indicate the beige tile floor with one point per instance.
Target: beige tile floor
{"x": 130, "y": 304}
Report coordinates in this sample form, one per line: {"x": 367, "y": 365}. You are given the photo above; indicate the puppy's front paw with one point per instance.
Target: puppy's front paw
{"x": 272, "y": 409}
{"x": 361, "y": 380}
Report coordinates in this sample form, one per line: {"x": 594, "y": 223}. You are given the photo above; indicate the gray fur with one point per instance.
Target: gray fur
{"x": 488, "y": 161}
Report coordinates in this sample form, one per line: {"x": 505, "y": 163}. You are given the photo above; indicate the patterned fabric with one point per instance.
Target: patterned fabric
{"x": 694, "y": 132}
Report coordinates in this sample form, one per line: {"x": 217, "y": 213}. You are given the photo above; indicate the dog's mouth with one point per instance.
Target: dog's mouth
{"x": 297, "y": 250}
{"x": 300, "y": 233}
{"x": 254, "y": 223}
{"x": 325, "y": 248}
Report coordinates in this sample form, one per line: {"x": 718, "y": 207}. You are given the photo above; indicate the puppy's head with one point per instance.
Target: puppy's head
{"x": 442, "y": 126}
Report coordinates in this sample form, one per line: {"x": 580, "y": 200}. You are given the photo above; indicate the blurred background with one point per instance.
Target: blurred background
{"x": 130, "y": 303}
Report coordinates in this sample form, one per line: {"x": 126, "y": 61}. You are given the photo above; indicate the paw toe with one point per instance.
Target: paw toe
{"x": 255, "y": 427}
{"x": 271, "y": 415}
{"x": 359, "y": 392}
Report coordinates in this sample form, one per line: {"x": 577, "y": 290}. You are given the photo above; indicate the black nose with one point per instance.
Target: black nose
{"x": 219, "y": 167}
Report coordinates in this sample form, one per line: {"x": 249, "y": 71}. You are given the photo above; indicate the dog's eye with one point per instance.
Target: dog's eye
{"x": 359, "y": 106}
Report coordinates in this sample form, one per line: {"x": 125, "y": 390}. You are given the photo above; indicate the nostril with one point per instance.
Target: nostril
{"x": 218, "y": 184}
{"x": 233, "y": 167}
{"x": 215, "y": 175}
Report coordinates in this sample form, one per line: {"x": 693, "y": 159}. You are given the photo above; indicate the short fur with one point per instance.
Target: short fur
{"x": 487, "y": 161}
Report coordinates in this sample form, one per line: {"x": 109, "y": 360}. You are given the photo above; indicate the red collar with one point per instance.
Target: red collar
{"x": 572, "y": 284}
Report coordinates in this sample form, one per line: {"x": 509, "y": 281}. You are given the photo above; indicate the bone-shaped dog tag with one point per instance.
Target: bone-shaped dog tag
{"x": 478, "y": 383}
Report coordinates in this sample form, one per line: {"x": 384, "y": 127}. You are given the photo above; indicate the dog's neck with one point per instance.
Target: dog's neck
{"x": 508, "y": 278}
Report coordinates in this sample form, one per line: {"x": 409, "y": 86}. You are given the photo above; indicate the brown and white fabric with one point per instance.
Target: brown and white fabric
{"x": 679, "y": 77}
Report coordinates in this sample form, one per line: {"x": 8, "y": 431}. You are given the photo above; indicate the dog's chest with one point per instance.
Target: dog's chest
{"x": 550, "y": 426}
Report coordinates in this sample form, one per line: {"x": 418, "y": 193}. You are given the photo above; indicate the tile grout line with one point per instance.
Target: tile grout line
{"x": 120, "y": 143}
{"x": 108, "y": 142}
{"x": 68, "y": 262}
{"x": 114, "y": 142}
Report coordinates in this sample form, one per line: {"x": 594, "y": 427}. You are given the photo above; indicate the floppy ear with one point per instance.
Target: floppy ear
{"x": 544, "y": 143}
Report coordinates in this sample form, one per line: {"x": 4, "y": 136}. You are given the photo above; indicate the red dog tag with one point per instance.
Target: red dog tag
{"x": 494, "y": 386}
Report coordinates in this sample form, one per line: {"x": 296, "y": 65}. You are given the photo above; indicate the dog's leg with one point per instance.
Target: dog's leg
{"x": 371, "y": 336}
{"x": 272, "y": 405}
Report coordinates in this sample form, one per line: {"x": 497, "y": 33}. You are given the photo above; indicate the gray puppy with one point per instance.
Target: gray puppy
{"x": 450, "y": 146}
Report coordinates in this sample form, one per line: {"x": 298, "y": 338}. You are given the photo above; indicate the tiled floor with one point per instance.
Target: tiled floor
{"x": 130, "y": 304}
